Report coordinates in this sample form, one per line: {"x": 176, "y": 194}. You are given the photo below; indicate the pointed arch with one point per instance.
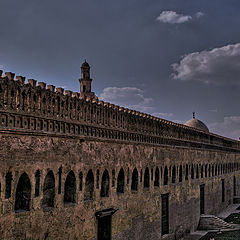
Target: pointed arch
{"x": 105, "y": 184}
{"x": 23, "y": 193}
{"x": 70, "y": 188}
{"x": 157, "y": 175}
{"x": 89, "y": 186}
{"x": 120, "y": 181}
{"x": 48, "y": 190}
{"x": 146, "y": 182}
{"x": 165, "y": 176}
{"x": 134, "y": 185}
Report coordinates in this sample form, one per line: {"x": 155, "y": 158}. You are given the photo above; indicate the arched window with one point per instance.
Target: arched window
{"x": 180, "y": 173}
{"x": 197, "y": 172}
{"x": 216, "y": 170}
{"x": 146, "y": 178}
{"x": 80, "y": 181}
{"x": 37, "y": 183}
{"x": 156, "y": 180}
{"x": 120, "y": 181}
{"x": 70, "y": 188}
{"x": 174, "y": 174}
{"x": 8, "y": 185}
{"x": 186, "y": 172}
{"x": 192, "y": 172}
{"x": 23, "y": 193}
{"x": 134, "y": 185}
{"x": 165, "y": 177}
{"x": 48, "y": 190}
{"x": 89, "y": 186}
{"x": 105, "y": 184}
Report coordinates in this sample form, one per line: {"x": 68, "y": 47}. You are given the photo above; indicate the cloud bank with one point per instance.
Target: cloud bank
{"x": 230, "y": 127}
{"x": 162, "y": 115}
{"x": 199, "y": 14}
{"x": 218, "y": 66}
{"x": 129, "y": 97}
{"x": 173, "y": 17}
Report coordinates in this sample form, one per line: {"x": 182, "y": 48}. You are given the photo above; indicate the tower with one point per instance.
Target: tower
{"x": 86, "y": 82}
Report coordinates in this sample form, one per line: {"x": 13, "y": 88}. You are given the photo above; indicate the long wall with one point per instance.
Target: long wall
{"x": 64, "y": 159}
{"x": 139, "y": 208}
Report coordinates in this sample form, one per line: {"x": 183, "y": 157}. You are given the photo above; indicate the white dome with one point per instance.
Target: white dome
{"x": 195, "y": 123}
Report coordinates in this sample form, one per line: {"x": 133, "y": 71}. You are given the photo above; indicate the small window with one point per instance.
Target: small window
{"x": 180, "y": 173}
{"x": 23, "y": 194}
{"x": 165, "y": 180}
{"x": 174, "y": 174}
{"x": 156, "y": 180}
{"x": 134, "y": 185}
{"x": 89, "y": 186}
{"x": 120, "y": 181}
{"x": 48, "y": 190}
{"x": 8, "y": 186}
{"x": 70, "y": 188}
{"x": 105, "y": 184}
{"x": 146, "y": 178}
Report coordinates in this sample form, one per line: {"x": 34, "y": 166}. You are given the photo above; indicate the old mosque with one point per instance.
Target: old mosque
{"x": 74, "y": 167}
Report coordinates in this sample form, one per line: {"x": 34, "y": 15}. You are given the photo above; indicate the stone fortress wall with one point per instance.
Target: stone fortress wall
{"x": 67, "y": 159}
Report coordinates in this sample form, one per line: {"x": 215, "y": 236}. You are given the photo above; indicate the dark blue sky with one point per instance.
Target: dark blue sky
{"x": 131, "y": 46}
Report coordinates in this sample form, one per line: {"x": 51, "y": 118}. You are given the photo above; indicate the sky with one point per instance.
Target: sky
{"x": 167, "y": 58}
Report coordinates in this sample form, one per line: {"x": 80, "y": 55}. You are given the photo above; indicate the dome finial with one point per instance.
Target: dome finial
{"x": 193, "y": 115}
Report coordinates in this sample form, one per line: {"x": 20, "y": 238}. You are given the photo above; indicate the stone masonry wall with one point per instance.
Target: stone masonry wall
{"x": 139, "y": 211}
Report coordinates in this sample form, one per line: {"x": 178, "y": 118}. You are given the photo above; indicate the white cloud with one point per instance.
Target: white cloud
{"x": 199, "y": 14}
{"x": 172, "y": 17}
{"x": 162, "y": 115}
{"x": 230, "y": 127}
{"x": 130, "y": 97}
{"x": 217, "y": 66}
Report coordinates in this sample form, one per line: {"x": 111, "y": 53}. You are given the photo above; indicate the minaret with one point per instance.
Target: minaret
{"x": 86, "y": 82}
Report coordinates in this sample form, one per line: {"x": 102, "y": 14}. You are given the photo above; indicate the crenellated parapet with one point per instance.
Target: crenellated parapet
{"x": 36, "y": 106}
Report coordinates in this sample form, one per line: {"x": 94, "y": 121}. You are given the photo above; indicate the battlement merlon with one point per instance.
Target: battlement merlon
{"x": 20, "y": 97}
